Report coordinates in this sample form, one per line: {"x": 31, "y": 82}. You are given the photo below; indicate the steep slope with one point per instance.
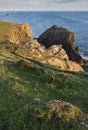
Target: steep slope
{"x": 33, "y": 95}
{"x": 54, "y": 55}
{"x": 21, "y": 34}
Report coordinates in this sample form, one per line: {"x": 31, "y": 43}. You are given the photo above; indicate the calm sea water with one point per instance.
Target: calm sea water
{"x": 40, "y": 21}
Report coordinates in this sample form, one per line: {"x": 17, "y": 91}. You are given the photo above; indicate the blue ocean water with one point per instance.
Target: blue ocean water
{"x": 42, "y": 20}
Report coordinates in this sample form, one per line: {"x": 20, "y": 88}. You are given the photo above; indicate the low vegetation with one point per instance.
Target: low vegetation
{"x": 36, "y": 96}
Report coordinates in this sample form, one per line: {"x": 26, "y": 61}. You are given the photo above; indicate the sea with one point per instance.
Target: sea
{"x": 39, "y": 21}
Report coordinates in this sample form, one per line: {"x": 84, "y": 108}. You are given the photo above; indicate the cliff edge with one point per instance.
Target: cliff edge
{"x": 15, "y": 33}
{"x": 56, "y": 46}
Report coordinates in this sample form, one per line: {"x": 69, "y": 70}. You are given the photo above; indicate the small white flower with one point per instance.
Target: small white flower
{"x": 37, "y": 99}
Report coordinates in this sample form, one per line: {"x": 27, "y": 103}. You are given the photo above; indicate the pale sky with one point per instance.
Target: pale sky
{"x": 44, "y": 5}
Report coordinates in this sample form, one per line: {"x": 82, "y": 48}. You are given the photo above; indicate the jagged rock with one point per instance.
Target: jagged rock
{"x": 55, "y": 55}
{"x": 58, "y": 52}
{"x": 65, "y": 64}
{"x": 57, "y": 62}
{"x": 31, "y": 49}
{"x": 73, "y": 66}
{"x": 15, "y": 33}
{"x": 61, "y": 36}
{"x": 34, "y": 44}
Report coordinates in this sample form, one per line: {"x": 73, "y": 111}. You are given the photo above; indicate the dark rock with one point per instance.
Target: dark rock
{"x": 61, "y": 36}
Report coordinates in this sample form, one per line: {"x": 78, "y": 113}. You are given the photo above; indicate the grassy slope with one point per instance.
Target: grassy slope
{"x": 19, "y": 84}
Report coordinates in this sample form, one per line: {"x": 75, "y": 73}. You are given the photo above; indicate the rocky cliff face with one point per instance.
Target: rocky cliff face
{"x": 15, "y": 33}
{"x": 60, "y": 49}
{"x": 61, "y": 36}
{"x": 55, "y": 55}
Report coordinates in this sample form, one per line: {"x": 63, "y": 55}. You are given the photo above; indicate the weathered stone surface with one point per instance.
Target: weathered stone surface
{"x": 56, "y": 35}
{"x": 64, "y": 64}
{"x": 55, "y": 55}
{"x": 15, "y": 33}
{"x": 31, "y": 49}
{"x": 61, "y": 36}
{"x": 57, "y": 51}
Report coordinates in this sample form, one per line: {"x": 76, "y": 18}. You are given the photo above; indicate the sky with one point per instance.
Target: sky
{"x": 55, "y": 5}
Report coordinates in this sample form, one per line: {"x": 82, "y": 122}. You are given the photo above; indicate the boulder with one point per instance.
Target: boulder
{"x": 61, "y": 36}
{"x": 15, "y": 33}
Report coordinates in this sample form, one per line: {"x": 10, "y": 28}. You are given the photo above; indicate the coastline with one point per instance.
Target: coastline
{"x": 43, "y": 85}
{"x": 75, "y": 21}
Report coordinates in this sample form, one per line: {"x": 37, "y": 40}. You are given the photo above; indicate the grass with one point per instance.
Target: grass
{"x": 13, "y": 32}
{"x": 20, "y": 84}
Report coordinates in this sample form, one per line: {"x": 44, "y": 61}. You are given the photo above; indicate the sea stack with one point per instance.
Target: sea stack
{"x": 61, "y": 36}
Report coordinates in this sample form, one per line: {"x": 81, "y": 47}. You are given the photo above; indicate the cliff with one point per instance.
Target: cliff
{"x": 37, "y": 89}
{"x": 63, "y": 55}
{"x": 39, "y": 96}
{"x": 55, "y": 55}
{"x": 15, "y": 33}
{"x": 61, "y": 36}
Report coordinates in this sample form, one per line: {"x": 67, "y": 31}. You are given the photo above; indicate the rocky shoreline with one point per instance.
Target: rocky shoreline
{"x": 56, "y": 46}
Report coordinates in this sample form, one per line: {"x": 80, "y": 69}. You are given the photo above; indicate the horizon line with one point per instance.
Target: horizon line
{"x": 47, "y": 10}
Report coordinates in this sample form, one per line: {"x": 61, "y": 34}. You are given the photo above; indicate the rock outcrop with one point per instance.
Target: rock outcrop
{"x": 60, "y": 49}
{"x": 32, "y": 50}
{"x": 61, "y": 36}
{"x": 15, "y": 33}
{"x": 55, "y": 55}
{"x": 57, "y": 51}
